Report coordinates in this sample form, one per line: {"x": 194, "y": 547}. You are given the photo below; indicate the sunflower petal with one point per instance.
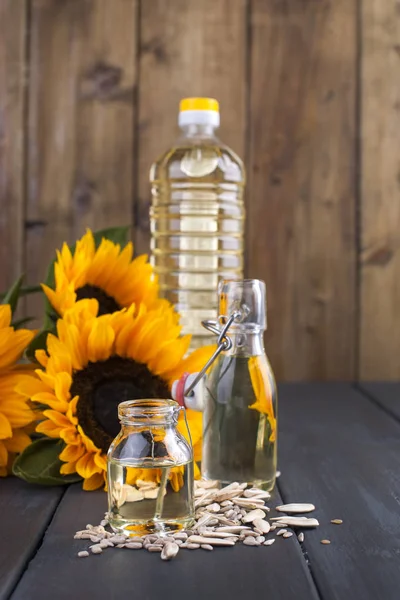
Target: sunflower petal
{"x": 68, "y": 468}
{"x": 49, "y": 429}
{"x": 93, "y": 482}
{"x": 86, "y": 467}
{"x": 19, "y": 441}
{"x": 5, "y": 427}
{"x": 5, "y": 315}
{"x": 101, "y": 340}
{"x": 3, "y": 455}
{"x": 72, "y": 453}
{"x": 20, "y": 340}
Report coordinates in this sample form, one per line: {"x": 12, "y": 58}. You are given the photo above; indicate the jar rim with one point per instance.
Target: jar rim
{"x": 147, "y": 408}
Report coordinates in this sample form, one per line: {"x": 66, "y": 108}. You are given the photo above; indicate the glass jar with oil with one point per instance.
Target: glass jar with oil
{"x": 240, "y": 397}
{"x": 150, "y": 469}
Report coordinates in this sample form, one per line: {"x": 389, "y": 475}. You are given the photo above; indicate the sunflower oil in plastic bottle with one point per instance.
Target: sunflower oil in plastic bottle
{"x": 197, "y": 217}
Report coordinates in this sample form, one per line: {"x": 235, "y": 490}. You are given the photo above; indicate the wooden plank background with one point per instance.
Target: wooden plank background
{"x": 310, "y": 99}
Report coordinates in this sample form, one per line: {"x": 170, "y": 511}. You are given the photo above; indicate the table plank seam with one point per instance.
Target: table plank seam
{"x": 374, "y": 400}
{"x": 302, "y": 546}
{"x": 39, "y": 544}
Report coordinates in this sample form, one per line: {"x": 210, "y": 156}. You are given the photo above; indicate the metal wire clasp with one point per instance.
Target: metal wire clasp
{"x": 224, "y": 343}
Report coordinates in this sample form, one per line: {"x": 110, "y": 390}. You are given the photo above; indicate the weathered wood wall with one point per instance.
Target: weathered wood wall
{"x": 310, "y": 97}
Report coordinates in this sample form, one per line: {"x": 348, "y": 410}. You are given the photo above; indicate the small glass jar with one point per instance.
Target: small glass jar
{"x": 240, "y": 398}
{"x": 150, "y": 469}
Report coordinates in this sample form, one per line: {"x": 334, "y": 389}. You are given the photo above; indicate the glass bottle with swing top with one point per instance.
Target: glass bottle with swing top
{"x": 150, "y": 470}
{"x": 238, "y": 396}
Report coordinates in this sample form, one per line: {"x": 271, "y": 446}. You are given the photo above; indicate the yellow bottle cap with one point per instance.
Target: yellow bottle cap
{"x": 199, "y": 104}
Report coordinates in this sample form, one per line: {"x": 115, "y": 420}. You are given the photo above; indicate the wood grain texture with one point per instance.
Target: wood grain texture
{"x": 301, "y": 196}
{"x": 13, "y": 31}
{"x": 25, "y": 511}
{"x": 188, "y": 48}
{"x": 380, "y": 187}
{"x": 225, "y": 572}
{"x": 83, "y": 76}
{"x": 342, "y": 453}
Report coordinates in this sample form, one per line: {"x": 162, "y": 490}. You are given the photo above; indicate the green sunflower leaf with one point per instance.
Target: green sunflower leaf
{"x": 118, "y": 235}
{"x": 39, "y": 463}
{"x": 38, "y": 343}
{"x": 12, "y": 295}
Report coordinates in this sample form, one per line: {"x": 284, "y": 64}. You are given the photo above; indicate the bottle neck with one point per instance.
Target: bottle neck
{"x": 148, "y": 425}
{"x": 198, "y": 130}
{"x": 246, "y": 344}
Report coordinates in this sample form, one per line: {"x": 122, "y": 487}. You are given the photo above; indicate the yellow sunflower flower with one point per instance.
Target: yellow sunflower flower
{"x": 15, "y": 413}
{"x": 107, "y": 273}
{"x": 95, "y": 363}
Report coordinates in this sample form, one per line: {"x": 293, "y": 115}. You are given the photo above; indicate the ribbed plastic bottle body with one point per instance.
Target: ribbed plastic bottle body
{"x": 197, "y": 227}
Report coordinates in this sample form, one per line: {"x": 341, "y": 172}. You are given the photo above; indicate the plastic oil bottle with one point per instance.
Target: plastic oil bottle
{"x": 197, "y": 217}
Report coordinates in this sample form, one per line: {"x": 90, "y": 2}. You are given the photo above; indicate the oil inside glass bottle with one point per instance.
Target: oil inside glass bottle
{"x": 158, "y": 500}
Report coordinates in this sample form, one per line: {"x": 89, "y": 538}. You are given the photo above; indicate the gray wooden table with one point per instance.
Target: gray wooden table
{"x": 339, "y": 448}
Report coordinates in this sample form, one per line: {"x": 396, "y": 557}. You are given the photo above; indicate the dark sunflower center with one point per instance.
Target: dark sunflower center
{"x": 102, "y": 386}
{"x": 107, "y": 304}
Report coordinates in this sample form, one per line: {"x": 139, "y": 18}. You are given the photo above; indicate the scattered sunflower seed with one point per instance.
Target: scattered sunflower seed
{"x": 297, "y": 522}
{"x": 250, "y": 541}
{"x": 262, "y": 525}
{"x": 170, "y": 550}
{"x": 223, "y": 517}
{"x": 281, "y": 531}
{"x": 296, "y": 508}
{"x": 269, "y": 542}
{"x": 337, "y": 521}
{"x": 252, "y": 515}
{"x": 300, "y": 537}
